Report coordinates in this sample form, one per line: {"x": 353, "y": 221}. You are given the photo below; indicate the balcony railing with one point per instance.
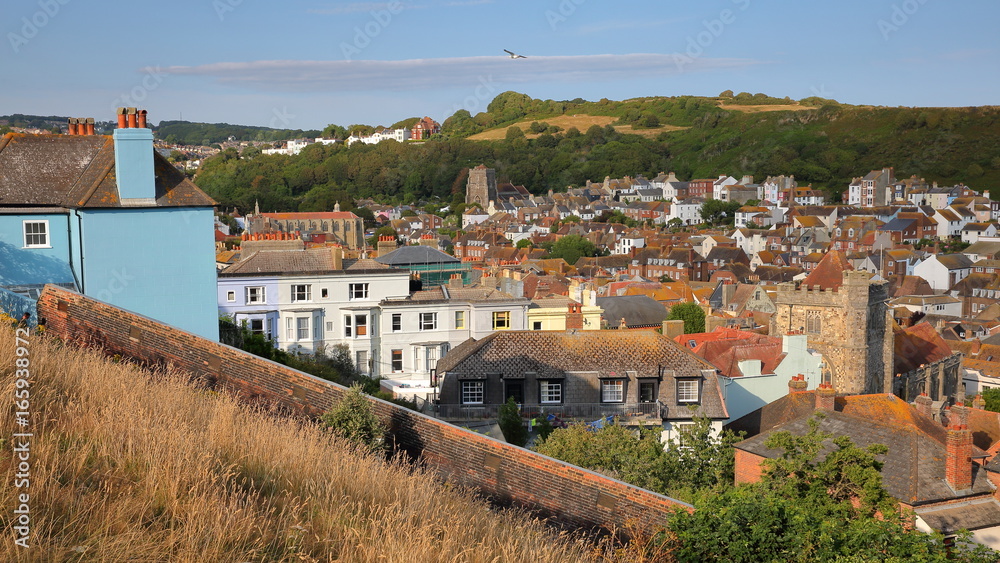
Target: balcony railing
{"x": 569, "y": 412}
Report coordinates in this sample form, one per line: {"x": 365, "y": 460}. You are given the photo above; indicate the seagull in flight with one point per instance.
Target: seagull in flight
{"x": 514, "y": 55}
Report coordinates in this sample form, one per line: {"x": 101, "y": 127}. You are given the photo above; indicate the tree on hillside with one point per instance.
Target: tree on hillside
{"x": 717, "y": 212}
{"x": 692, "y": 315}
{"x": 693, "y": 463}
{"x": 613, "y": 450}
{"x": 809, "y": 509}
{"x": 509, "y": 420}
{"x": 571, "y": 248}
{"x": 354, "y": 418}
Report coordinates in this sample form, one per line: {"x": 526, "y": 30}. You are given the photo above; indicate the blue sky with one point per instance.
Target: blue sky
{"x": 306, "y": 63}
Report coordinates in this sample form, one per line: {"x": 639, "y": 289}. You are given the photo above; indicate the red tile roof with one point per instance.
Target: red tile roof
{"x": 829, "y": 273}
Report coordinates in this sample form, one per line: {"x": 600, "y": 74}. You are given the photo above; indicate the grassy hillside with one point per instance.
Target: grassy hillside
{"x": 191, "y": 133}
{"x": 546, "y": 144}
{"x": 128, "y": 467}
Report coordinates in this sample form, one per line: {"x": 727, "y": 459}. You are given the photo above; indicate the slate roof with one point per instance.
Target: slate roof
{"x": 293, "y": 262}
{"x": 637, "y": 310}
{"x": 971, "y": 515}
{"x": 554, "y": 354}
{"x": 914, "y": 465}
{"x": 954, "y": 261}
{"x": 408, "y": 255}
{"x": 78, "y": 171}
{"x": 478, "y": 294}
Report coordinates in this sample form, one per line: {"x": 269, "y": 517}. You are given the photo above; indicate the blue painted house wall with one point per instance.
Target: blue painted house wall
{"x": 31, "y": 266}
{"x": 127, "y": 264}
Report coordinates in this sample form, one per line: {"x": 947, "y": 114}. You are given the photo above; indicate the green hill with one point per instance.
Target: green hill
{"x": 190, "y": 133}
{"x": 820, "y": 141}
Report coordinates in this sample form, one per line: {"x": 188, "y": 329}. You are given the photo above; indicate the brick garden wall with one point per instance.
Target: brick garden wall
{"x": 506, "y": 474}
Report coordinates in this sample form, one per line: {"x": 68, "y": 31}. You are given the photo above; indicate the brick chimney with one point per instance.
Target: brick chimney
{"x": 923, "y": 405}
{"x": 337, "y": 257}
{"x": 673, "y": 328}
{"x": 574, "y": 317}
{"x": 386, "y": 244}
{"x": 958, "y": 462}
{"x": 978, "y": 402}
{"x": 825, "y": 397}
{"x": 797, "y": 384}
{"x": 455, "y": 282}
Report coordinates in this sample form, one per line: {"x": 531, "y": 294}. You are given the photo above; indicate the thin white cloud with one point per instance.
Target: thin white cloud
{"x": 428, "y": 74}
{"x": 350, "y": 8}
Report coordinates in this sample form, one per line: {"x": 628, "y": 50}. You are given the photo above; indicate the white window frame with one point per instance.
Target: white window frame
{"x": 688, "y": 391}
{"x": 428, "y": 321}
{"x": 612, "y": 390}
{"x": 357, "y": 291}
{"x": 397, "y": 322}
{"x": 305, "y": 290}
{"x": 393, "y": 362}
{"x": 348, "y": 326}
{"x": 302, "y": 328}
{"x": 473, "y": 392}
{"x": 360, "y": 325}
{"x": 550, "y": 391}
{"x": 256, "y": 296}
{"x": 44, "y": 233}
{"x": 231, "y": 296}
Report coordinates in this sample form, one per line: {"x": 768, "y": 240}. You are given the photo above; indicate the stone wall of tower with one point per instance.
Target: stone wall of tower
{"x": 481, "y": 186}
{"x": 853, "y": 336}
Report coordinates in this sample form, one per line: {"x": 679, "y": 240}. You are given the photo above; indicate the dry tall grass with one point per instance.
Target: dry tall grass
{"x": 125, "y": 467}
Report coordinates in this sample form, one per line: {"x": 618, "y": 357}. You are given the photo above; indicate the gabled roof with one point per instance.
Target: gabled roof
{"x": 829, "y": 273}
{"x": 914, "y": 465}
{"x": 637, "y": 310}
{"x": 410, "y": 255}
{"x": 292, "y": 262}
{"x": 78, "y": 171}
{"x": 918, "y": 345}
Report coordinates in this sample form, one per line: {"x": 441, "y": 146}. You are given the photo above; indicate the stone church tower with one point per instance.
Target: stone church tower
{"x": 845, "y": 317}
{"x": 481, "y": 187}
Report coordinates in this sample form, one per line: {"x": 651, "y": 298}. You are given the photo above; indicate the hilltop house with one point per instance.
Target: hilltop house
{"x": 71, "y": 211}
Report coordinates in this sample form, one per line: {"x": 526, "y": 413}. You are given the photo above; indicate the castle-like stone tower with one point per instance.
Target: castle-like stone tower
{"x": 481, "y": 187}
{"x": 846, "y": 320}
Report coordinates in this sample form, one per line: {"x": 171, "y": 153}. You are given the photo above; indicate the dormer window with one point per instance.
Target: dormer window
{"x": 689, "y": 391}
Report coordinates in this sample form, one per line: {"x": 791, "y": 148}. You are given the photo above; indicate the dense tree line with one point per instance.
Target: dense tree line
{"x": 189, "y": 133}
{"x": 826, "y": 147}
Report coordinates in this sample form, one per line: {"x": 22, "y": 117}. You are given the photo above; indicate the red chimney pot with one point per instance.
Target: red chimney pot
{"x": 142, "y": 119}
{"x": 121, "y": 118}
{"x": 131, "y": 118}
